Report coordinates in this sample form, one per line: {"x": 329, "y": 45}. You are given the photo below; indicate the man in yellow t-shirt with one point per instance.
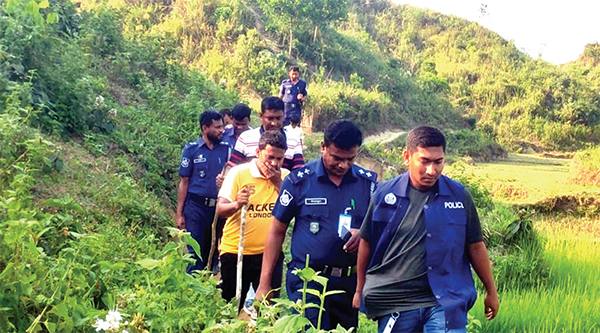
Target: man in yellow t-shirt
{"x": 255, "y": 184}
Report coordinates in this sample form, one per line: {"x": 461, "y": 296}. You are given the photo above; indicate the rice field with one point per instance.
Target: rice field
{"x": 570, "y": 301}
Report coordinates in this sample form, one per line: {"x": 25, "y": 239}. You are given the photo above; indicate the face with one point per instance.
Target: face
{"x": 271, "y": 156}
{"x": 214, "y": 132}
{"x": 227, "y": 120}
{"x": 425, "y": 166}
{"x": 272, "y": 119}
{"x": 240, "y": 126}
{"x": 338, "y": 161}
{"x": 294, "y": 75}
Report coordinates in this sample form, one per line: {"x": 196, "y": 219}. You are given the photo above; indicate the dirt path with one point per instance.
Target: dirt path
{"x": 383, "y": 137}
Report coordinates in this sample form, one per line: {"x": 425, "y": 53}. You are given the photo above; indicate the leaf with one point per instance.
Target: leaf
{"x": 291, "y": 324}
{"x": 50, "y": 326}
{"x": 189, "y": 240}
{"x": 53, "y": 18}
{"x": 148, "y": 263}
{"x": 32, "y": 8}
{"x": 334, "y": 292}
{"x": 44, "y": 4}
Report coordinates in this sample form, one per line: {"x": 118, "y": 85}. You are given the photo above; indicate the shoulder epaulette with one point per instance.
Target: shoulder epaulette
{"x": 190, "y": 144}
{"x": 300, "y": 174}
{"x": 368, "y": 174}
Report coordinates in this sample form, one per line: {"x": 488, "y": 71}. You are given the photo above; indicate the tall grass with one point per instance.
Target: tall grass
{"x": 570, "y": 301}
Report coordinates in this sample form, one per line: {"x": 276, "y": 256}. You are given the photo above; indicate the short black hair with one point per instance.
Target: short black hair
{"x": 271, "y": 103}
{"x": 225, "y": 112}
{"x": 294, "y": 69}
{"x": 207, "y": 117}
{"x": 295, "y": 119}
{"x": 344, "y": 134}
{"x": 272, "y": 138}
{"x": 425, "y": 137}
{"x": 241, "y": 111}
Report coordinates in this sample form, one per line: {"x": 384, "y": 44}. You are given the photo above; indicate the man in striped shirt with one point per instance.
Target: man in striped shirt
{"x": 271, "y": 116}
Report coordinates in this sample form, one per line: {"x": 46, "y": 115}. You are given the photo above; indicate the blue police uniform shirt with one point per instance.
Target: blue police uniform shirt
{"x": 290, "y": 92}
{"x": 202, "y": 165}
{"x": 308, "y": 195}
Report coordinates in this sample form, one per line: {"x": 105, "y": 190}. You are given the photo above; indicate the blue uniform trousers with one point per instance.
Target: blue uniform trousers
{"x": 338, "y": 307}
{"x": 198, "y": 220}
{"x": 292, "y": 114}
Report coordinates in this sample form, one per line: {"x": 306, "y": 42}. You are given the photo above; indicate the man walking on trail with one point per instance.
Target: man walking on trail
{"x": 418, "y": 242}
{"x": 201, "y": 164}
{"x": 255, "y": 184}
{"x": 271, "y": 116}
{"x": 240, "y": 119}
{"x": 293, "y": 93}
{"x": 328, "y": 199}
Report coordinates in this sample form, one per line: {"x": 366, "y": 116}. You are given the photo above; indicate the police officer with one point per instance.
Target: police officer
{"x": 293, "y": 93}
{"x": 328, "y": 198}
{"x": 418, "y": 242}
{"x": 201, "y": 164}
{"x": 240, "y": 120}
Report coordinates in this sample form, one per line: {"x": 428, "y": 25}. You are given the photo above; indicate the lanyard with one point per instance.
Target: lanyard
{"x": 390, "y": 324}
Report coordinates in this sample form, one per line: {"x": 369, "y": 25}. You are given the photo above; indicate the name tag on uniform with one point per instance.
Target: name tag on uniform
{"x": 315, "y": 201}
{"x": 344, "y": 223}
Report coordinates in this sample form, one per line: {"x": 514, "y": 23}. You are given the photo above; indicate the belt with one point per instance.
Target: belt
{"x": 336, "y": 271}
{"x": 204, "y": 201}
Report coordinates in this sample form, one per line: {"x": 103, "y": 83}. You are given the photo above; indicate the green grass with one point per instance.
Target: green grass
{"x": 528, "y": 179}
{"x": 570, "y": 302}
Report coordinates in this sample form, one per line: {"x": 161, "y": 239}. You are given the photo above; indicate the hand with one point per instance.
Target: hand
{"x": 356, "y": 300}
{"x": 242, "y": 197}
{"x": 271, "y": 172}
{"x": 219, "y": 180}
{"x": 299, "y": 97}
{"x": 180, "y": 222}
{"x": 262, "y": 293}
{"x": 351, "y": 245}
{"x": 491, "y": 305}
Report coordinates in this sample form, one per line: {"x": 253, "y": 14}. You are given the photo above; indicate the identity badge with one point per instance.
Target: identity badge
{"x": 344, "y": 223}
{"x": 314, "y": 227}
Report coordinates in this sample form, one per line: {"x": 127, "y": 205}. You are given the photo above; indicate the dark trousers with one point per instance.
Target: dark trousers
{"x": 338, "y": 308}
{"x": 198, "y": 220}
{"x": 251, "y": 268}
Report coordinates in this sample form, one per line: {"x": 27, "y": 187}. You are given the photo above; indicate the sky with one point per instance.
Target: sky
{"x": 556, "y": 30}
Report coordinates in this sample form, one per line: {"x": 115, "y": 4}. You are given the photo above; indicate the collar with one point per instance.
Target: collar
{"x": 201, "y": 142}
{"x": 321, "y": 173}
{"x": 254, "y": 172}
{"x": 261, "y": 130}
{"x": 401, "y": 185}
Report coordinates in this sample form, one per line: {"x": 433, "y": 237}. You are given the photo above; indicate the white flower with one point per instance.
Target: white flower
{"x": 101, "y": 325}
{"x": 125, "y": 331}
{"x": 99, "y": 100}
{"x": 113, "y": 316}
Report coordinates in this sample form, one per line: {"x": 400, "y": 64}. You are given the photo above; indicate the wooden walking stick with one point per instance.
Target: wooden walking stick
{"x": 214, "y": 241}
{"x": 240, "y": 256}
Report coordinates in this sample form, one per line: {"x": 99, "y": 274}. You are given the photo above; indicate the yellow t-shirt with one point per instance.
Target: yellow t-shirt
{"x": 263, "y": 195}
